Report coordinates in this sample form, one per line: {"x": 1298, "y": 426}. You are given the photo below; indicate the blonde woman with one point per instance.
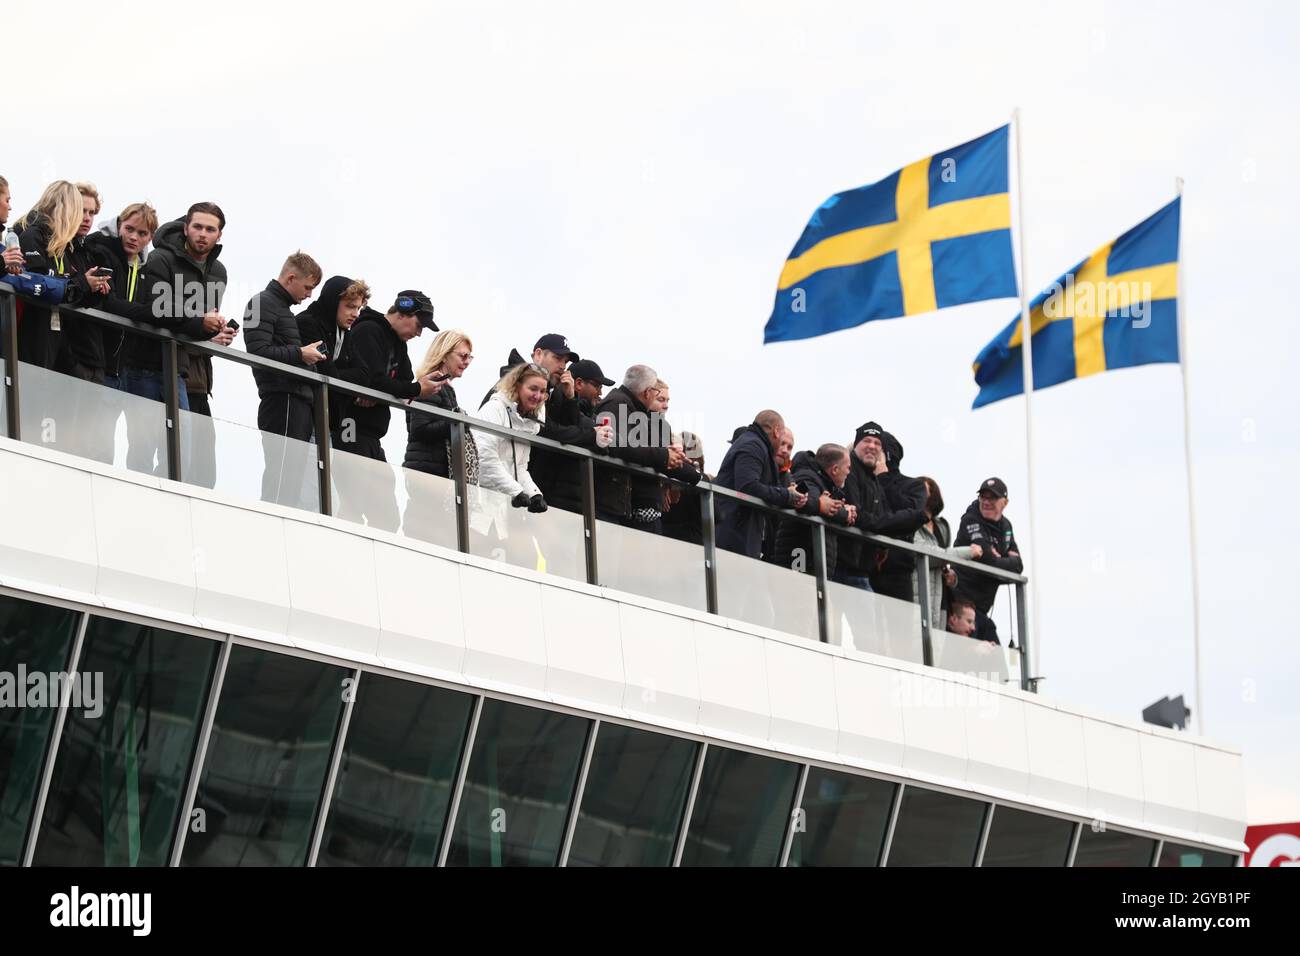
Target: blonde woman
{"x": 50, "y": 235}
{"x": 518, "y": 403}
{"x": 448, "y": 357}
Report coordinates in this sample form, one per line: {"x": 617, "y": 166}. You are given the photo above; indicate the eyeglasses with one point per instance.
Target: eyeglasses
{"x": 464, "y": 356}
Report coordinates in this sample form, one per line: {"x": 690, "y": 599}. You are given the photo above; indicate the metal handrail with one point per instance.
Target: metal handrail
{"x": 322, "y": 385}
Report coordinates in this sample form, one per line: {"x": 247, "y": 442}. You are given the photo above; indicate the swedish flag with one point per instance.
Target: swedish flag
{"x": 934, "y": 234}
{"x": 1116, "y": 309}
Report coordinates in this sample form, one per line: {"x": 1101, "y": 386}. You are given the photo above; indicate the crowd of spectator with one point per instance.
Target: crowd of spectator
{"x": 170, "y": 275}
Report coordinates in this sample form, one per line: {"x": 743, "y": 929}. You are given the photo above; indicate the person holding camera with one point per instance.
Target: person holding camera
{"x": 271, "y": 332}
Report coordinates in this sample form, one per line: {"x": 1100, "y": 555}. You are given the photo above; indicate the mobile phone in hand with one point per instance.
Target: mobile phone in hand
{"x": 232, "y": 325}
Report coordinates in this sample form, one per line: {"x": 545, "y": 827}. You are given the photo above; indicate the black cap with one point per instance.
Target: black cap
{"x": 588, "y": 371}
{"x": 993, "y": 486}
{"x": 868, "y": 428}
{"x": 557, "y": 343}
{"x": 414, "y": 302}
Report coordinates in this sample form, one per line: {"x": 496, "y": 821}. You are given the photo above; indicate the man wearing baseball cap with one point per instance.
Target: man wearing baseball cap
{"x": 985, "y": 524}
{"x": 377, "y": 357}
{"x": 557, "y": 474}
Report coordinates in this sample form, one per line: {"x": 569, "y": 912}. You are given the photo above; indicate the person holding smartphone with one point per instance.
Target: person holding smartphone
{"x": 51, "y": 236}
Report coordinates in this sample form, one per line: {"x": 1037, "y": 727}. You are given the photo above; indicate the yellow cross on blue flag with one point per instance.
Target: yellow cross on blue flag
{"x": 934, "y": 234}
{"x": 1116, "y": 309}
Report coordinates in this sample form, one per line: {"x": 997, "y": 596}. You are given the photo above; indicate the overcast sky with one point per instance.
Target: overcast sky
{"x": 634, "y": 176}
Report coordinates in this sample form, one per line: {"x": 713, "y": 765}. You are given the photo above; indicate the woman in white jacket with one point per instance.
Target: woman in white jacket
{"x": 519, "y": 403}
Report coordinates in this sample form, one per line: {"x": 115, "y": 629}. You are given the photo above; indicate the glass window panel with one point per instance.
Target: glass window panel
{"x": 634, "y": 799}
{"x": 551, "y": 542}
{"x": 266, "y": 762}
{"x": 936, "y": 829}
{"x": 845, "y": 819}
{"x": 34, "y": 639}
{"x": 1109, "y": 848}
{"x": 92, "y": 421}
{"x": 652, "y": 565}
{"x": 518, "y": 787}
{"x": 767, "y": 595}
{"x": 741, "y": 811}
{"x": 1021, "y": 838}
{"x": 119, "y": 779}
{"x": 243, "y": 462}
{"x": 1175, "y": 854}
{"x": 874, "y": 623}
{"x": 396, "y": 776}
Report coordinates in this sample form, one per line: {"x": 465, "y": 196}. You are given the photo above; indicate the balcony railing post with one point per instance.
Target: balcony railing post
{"x": 708, "y": 539}
{"x": 320, "y": 403}
{"x": 9, "y": 330}
{"x": 172, "y": 406}
{"x": 1027, "y": 682}
{"x": 588, "y": 472}
{"x": 819, "y": 572}
{"x": 462, "y": 487}
{"x": 923, "y": 598}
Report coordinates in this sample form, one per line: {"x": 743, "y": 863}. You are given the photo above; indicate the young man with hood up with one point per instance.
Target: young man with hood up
{"x": 905, "y": 500}
{"x": 328, "y": 320}
{"x": 985, "y": 524}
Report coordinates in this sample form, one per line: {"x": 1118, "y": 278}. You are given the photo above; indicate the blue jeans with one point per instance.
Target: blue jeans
{"x": 852, "y": 581}
{"x": 144, "y": 432}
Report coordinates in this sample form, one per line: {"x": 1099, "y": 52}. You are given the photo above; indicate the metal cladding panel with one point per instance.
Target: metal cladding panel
{"x": 238, "y": 588}
{"x": 332, "y": 612}
{"x": 662, "y": 680}
{"x": 1168, "y": 782}
{"x": 801, "y": 698}
{"x": 733, "y": 683}
{"x": 49, "y": 538}
{"x": 584, "y": 650}
{"x": 505, "y": 646}
{"x": 145, "y": 544}
{"x": 421, "y": 620}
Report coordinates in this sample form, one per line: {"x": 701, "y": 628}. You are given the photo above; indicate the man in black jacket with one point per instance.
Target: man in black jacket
{"x": 556, "y": 474}
{"x": 750, "y": 468}
{"x": 328, "y": 320}
{"x": 184, "y": 282}
{"x": 121, "y": 246}
{"x": 271, "y": 332}
{"x": 377, "y": 352}
{"x": 640, "y": 437}
{"x": 877, "y": 514}
{"x": 905, "y": 499}
{"x": 820, "y": 475}
{"x": 985, "y": 524}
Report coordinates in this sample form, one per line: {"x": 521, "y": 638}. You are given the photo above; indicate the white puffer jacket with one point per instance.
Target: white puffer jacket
{"x": 502, "y": 463}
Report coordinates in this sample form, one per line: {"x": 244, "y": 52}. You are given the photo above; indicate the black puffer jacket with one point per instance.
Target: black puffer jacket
{"x": 427, "y": 435}
{"x": 792, "y": 547}
{"x": 271, "y": 332}
{"x": 180, "y": 291}
{"x": 379, "y": 358}
{"x": 905, "y": 499}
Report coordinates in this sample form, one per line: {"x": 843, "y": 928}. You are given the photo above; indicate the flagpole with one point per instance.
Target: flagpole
{"x": 1191, "y": 485}
{"x": 1027, "y": 356}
